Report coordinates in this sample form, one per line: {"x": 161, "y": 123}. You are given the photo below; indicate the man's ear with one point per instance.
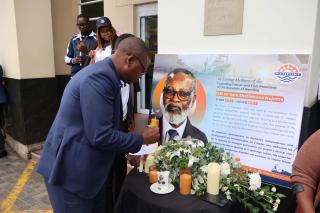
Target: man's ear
{"x": 125, "y": 61}
{"x": 194, "y": 99}
{"x": 129, "y": 60}
{"x": 194, "y": 105}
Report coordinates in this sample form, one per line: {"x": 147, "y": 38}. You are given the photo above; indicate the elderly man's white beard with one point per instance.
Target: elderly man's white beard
{"x": 177, "y": 119}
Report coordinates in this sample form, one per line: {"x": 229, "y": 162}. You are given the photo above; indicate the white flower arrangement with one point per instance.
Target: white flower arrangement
{"x": 235, "y": 183}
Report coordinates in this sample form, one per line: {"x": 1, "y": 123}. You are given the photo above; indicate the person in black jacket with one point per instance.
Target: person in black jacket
{"x": 3, "y": 105}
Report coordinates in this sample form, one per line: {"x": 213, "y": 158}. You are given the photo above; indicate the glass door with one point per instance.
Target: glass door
{"x": 147, "y": 30}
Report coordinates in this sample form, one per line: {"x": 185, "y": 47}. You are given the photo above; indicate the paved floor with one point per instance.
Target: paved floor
{"x": 21, "y": 187}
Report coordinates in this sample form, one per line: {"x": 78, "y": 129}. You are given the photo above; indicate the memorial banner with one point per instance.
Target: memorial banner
{"x": 249, "y": 105}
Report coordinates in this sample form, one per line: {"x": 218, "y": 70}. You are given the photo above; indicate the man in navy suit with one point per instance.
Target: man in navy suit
{"x": 177, "y": 102}
{"x": 84, "y": 137}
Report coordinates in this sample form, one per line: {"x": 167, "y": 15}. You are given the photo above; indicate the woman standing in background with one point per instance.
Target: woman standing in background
{"x": 106, "y": 36}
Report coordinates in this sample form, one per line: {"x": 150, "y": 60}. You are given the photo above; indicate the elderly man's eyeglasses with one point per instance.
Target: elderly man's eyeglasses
{"x": 144, "y": 69}
{"x": 182, "y": 95}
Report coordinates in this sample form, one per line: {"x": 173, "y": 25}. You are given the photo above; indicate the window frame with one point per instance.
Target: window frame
{"x": 80, "y": 4}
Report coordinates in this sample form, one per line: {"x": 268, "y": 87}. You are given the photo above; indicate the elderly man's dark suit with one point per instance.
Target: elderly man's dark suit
{"x": 189, "y": 130}
{"x": 84, "y": 137}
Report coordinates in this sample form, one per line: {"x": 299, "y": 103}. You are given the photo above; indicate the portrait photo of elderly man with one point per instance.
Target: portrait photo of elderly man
{"x": 177, "y": 102}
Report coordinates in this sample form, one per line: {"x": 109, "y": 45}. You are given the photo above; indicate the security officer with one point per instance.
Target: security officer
{"x": 80, "y": 45}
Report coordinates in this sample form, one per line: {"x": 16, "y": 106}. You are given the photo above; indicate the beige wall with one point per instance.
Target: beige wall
{"x": 35, "y": 40}
{"x": 9, "y": 58}
{"x": 64, "y": 15}
{"x": 121, "y": 13}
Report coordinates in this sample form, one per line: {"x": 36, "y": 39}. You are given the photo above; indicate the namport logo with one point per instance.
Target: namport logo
{"x": 288, "y": 73}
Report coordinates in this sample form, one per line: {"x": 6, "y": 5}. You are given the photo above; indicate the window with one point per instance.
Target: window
{"x": 147, "y": 30}
{"x": 93, "y": 9}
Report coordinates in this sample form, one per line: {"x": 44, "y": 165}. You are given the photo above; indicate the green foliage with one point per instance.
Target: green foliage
{"x": 234, "y": 183}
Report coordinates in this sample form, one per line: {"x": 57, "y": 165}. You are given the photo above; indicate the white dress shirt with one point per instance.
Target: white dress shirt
{"x": 125, "y": 90}
{"x": 166, "y": 126}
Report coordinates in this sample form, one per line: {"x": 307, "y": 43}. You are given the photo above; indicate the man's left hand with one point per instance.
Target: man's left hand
{"x": 134, "y": 160}
{"x": 82, "y": 47}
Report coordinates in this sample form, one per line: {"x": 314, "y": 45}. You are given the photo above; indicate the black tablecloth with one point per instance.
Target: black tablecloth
{"x": 136, "y": 197}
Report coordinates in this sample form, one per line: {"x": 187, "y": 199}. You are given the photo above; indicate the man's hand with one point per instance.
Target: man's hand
{"x": 77, "y": 60}
{"x": 92, "y": 53}
{"x": 82, "y": 47}
{"x": 134, "y": 160}
{"x": 150, "y": 135}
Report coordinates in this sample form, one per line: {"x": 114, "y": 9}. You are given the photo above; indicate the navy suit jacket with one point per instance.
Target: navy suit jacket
{"x": 189, "y": 130}
{"x": 84, "y": 137}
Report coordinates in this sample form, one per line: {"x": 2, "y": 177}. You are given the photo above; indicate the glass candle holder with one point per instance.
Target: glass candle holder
{"x": 154, "y": 122}
{"x": 185, "y": 181}
{"x": 153, "y": 174}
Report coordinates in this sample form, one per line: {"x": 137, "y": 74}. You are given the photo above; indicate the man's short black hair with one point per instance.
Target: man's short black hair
{"x": 121, "y": 38}
{"x": 82, "y": 15}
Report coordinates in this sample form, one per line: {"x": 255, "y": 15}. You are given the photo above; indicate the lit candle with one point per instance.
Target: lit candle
{"x": 185, "y": 184}
{"x": 154, "y": 122}
{"x": 213, "y": 178}
{"x": 141, "y": 164}
{"x": 148, "y": 163}
{"x": 153, "y": 176}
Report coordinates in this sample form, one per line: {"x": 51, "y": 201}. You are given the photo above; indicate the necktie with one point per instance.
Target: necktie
{"x": 172, "y": 134}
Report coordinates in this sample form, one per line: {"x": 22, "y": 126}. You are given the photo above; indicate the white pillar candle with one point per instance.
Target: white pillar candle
{"x": 213, "y": 178}
{"x": 148, "y": 163}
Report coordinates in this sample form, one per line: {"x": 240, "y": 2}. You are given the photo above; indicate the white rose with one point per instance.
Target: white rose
{"x": 229, "y": 197}
{"x": 187, "y": 141}
{"x": 225, "y": 169}
{"x": 237, "y": 186}
{"x": 228, "y": 180}
{"x": 195, "y": 182}
{"x": 225, "y": 188}
{"x": 275, "y": 207}
{"x": 200, "y": 179}
{"x": 261, "y": 192}
{"x": 278, "y": 201}
{"x": 204, "y": 168}
{"x": 273, "y": 189}
{"x": 199, "y": 143}
{"x": 255, "y": 181}
{"x": 192, "y": 160}
{"x": 225, "y": 156}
